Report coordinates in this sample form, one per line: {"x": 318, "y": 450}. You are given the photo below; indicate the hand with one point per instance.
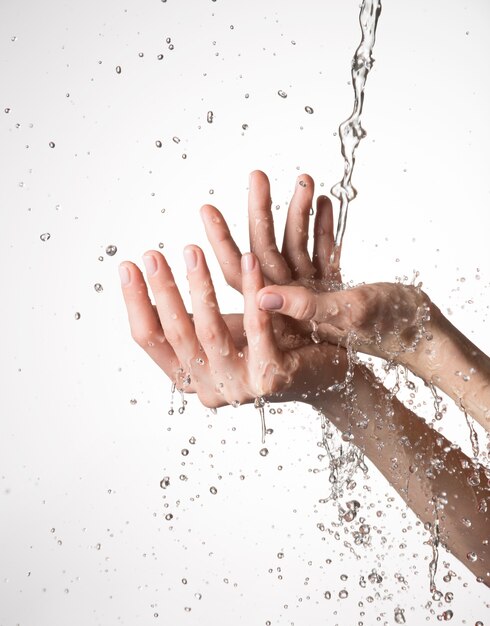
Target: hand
{"x": 293, "y": 264}
{"x": 387, "y": 319}
{"x": 205, "y": 354}
{"x": 384, "y": 319}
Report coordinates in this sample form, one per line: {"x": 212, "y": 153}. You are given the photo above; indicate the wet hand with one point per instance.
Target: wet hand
{"x": 384, "y": 319}
{"x": 293, "y": 264}
{"x": 207, "y": 353}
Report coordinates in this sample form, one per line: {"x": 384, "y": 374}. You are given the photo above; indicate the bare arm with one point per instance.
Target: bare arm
{"x": 426, "y": 469}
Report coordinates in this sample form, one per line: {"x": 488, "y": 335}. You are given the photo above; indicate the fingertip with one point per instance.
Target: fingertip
{"x": 124, "y": 273}
{"x": 305, "y": 181}
{"x": 207, "y": 211}
{"x": 270, "y": 301}
{"x": 248, "y": 262}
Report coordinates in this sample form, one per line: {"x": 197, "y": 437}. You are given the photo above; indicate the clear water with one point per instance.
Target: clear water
{"x": 351, "y": 131}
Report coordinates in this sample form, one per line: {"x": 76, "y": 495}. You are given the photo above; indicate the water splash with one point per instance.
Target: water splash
{"x": 351, "y": 131}
{"x": 259, "y": 404}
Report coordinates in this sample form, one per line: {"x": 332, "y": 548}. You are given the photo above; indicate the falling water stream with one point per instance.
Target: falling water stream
{"x": 351, "y": 131}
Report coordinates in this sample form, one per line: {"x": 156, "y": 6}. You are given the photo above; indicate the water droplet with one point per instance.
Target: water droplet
{"x": 213, "y": 490}
{"x": 309, "y": 110}
{"x": 244, "y": 126}
{"x": 447, "y": 615}
{"x": 158, "y": 143}
{"x": 474, "y": 480}
{"x": 472, "y": 556}
{"x": 375, "y": 578}
{"x": 343, "y": 593}
{"x": 184, "y": 452}
{"x": 466, "y": 522}
{"x": 118, "y": 69}
{"x": 280, "y": 555}
{"x": 210, "y": 117}
{"x": 165, "y": 482}
{"x": 77, "y": 315}
{"x": 282, "y": 93}
{"x": 7, "y": 110}
{"x": 184, "y": 156}
{"x": 211, "y": 192}
{"x": 175, "y": 139}
{"x": 169, "y": 516}
{"x": 198, "y": 596}
{"x": 45, "y": 237}
{"x": 133, "y": 401}
{"x": 399, "y": 616}
{"x": 327, "y": 595}
{"x": 111, "y": 250}
{"x": 98, "y": 287}
{"x": 264, "y": 452}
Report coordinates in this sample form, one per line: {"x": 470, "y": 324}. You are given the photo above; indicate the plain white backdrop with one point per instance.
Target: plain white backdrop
{"x": 85, "y": 435}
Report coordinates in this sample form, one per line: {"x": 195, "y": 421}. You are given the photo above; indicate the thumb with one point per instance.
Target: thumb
{"x": 299, "y": 303}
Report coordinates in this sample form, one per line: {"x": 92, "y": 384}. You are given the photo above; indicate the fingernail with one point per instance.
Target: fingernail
{"x": 125, "y": 275}
{"x": 190, "y": 258}
{"x": 150, "y": 264}
{"x": 271, "y": 301}
{"x": 248, "y": 262}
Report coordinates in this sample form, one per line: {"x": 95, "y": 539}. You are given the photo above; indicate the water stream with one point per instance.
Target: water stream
{"x": 351, "y": 131}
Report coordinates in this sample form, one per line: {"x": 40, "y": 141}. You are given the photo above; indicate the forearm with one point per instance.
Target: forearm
{"x": 422, "y": 465}
{"x": 451, "y": 362}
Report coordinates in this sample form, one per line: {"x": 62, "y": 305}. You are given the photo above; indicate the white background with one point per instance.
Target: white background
{"x": 80, "y": 465}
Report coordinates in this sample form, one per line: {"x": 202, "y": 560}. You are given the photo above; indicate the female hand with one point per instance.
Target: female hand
{"x": 387, "y": 319}
{"x": 204, "y": 354}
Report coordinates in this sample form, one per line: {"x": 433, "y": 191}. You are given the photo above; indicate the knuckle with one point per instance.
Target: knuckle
{"x": 208, "y": 333}
{"x": 303, "y": 306}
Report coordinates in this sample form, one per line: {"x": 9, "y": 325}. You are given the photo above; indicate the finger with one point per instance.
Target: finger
{"x": 223, "y": 244}
{"x": 144, "y": 322}
{"x": 261, "y": 228}
{"x": 345, "y": 310}
{"x": 265, "y": 360}
{"x": 211, "y": 330}
{"x": 323, "y": 239}
{"x": 176, "y": 322}
{"x": 295, "y": 243}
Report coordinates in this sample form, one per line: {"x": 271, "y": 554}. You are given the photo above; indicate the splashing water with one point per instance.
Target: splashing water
{"x": 259, "y": 404}
{"x": 351, "y": 131}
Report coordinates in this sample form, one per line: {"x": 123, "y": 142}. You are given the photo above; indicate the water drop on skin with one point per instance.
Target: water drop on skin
{"x": 45, "y": 237}
{"x": 472, "y": 556}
